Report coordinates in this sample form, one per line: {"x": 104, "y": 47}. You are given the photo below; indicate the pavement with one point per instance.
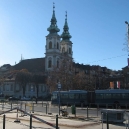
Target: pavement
{"x": 70, "y": 122}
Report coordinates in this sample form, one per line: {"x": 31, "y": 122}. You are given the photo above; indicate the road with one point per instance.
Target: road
{"x": 41, "y": 109}
{"x": 45, "y": 109}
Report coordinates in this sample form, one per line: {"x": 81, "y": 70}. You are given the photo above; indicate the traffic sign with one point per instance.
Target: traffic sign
{"x": 59, "y": 85}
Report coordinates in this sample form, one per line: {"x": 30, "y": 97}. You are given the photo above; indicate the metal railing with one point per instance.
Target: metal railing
{"x": 31, "y": 116}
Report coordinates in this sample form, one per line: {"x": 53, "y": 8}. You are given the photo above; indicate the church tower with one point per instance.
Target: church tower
{"x": 66, "y": 44}
{"x": 52, "y": 54}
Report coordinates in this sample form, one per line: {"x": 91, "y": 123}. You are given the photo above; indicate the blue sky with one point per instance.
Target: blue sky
{"x": 97, "y": 28}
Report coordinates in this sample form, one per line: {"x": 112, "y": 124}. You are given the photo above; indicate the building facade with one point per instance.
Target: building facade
{"x": 55, "y": 48}
{"x": 11, "y": 88}
{"x": 57, "y": 45}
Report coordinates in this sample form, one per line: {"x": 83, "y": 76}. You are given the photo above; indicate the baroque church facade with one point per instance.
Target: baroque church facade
{"x": 56, "y": 44}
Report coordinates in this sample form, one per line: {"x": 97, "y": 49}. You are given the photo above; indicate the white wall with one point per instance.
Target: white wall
{"x": 12, "y": 89}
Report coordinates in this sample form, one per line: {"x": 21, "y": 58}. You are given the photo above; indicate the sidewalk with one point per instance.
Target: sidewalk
{"x": 63, "y": 122}
{"x": 70, "y": 121}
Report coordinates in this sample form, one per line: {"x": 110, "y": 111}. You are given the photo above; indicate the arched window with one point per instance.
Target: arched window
{"x": 57, "y": 64}
{"x": 69, "y": 50}
{"x": 49, "y": 63}
{"x": 57, "y": 45}
{"x": 50, "y": 45}
{"x": 63, "y": 50}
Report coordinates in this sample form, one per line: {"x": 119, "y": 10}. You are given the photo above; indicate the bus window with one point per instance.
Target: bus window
{"x": 76, "y": 96}
{"x": 71, "y": 96}
{"x": 99, "y": 96}
{"x": 64, "y": 96}
{"x": 125, "y": 96}
{"x": 107, "y": 96}
{"x": 82, "y": 96}
{"x": 116, "y": 96}
{"x": 54, "y": 96}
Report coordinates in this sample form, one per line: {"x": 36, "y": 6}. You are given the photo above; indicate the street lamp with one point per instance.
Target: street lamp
{"x": 127, "y": 29}
{"x": 127, "y": 33}
{"x": 126, "y": 22}
{"x": 127, "y": 39}
{"x": 59, "y": 87}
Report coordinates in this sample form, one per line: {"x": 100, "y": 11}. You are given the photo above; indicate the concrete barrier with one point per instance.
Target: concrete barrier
{"x": 114, "y": 115}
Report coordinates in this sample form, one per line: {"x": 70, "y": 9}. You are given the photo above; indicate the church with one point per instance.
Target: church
{"x": 56, "y": 44}
{"x": 55, "y": 47}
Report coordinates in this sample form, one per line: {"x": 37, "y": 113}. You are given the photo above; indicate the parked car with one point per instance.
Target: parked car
{"x": 25, "y": 99}
{"x": 13, "y": 99}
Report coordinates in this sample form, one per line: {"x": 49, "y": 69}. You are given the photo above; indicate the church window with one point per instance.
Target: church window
{"x": 17, "y": 87}
{"x": 49, "y": 64}
{"x": 4, "y": 87}
{"x": 7, "y": 87}
{"x": 57, "y": 45}
{"x": 50, "y": 45}
{"x": 69, "y": 50}
{"x": 11, "y": 87}
{"x": 57, "y": 64}
{"x": 63, "y": 49}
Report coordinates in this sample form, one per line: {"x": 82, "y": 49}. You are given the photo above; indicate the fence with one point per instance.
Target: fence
{"x": 46, "y": 108}
{"x": 91, "y": 112}
{"x": 31, "y": 116}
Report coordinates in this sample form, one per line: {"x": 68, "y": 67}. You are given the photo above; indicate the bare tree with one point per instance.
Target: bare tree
{"x": 83, "y": 81}
{"x": 37, "y": 79}
{"x": 62, "y": 73}
{"x": 22, "y": 78}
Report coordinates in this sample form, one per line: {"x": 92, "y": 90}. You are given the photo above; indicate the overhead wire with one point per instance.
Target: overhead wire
{"x": 108, "y": 58}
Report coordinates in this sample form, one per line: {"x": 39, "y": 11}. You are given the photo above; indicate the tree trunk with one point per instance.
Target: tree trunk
{"x": 37, "y": 90}
{"x": 24, "y": 88}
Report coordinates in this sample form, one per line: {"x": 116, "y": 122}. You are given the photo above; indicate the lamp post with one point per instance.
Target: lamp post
{"x": 127, "y": 33}
{"x": 59, "y": 87}
{"x": 127, "y": 47}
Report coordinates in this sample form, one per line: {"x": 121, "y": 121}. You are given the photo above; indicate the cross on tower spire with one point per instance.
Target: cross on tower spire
{"x": 66, "y": 14}
{"x": 53, "y": 27}
{"x": 66, "y": 35}
{"x": 53, "y": 6}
